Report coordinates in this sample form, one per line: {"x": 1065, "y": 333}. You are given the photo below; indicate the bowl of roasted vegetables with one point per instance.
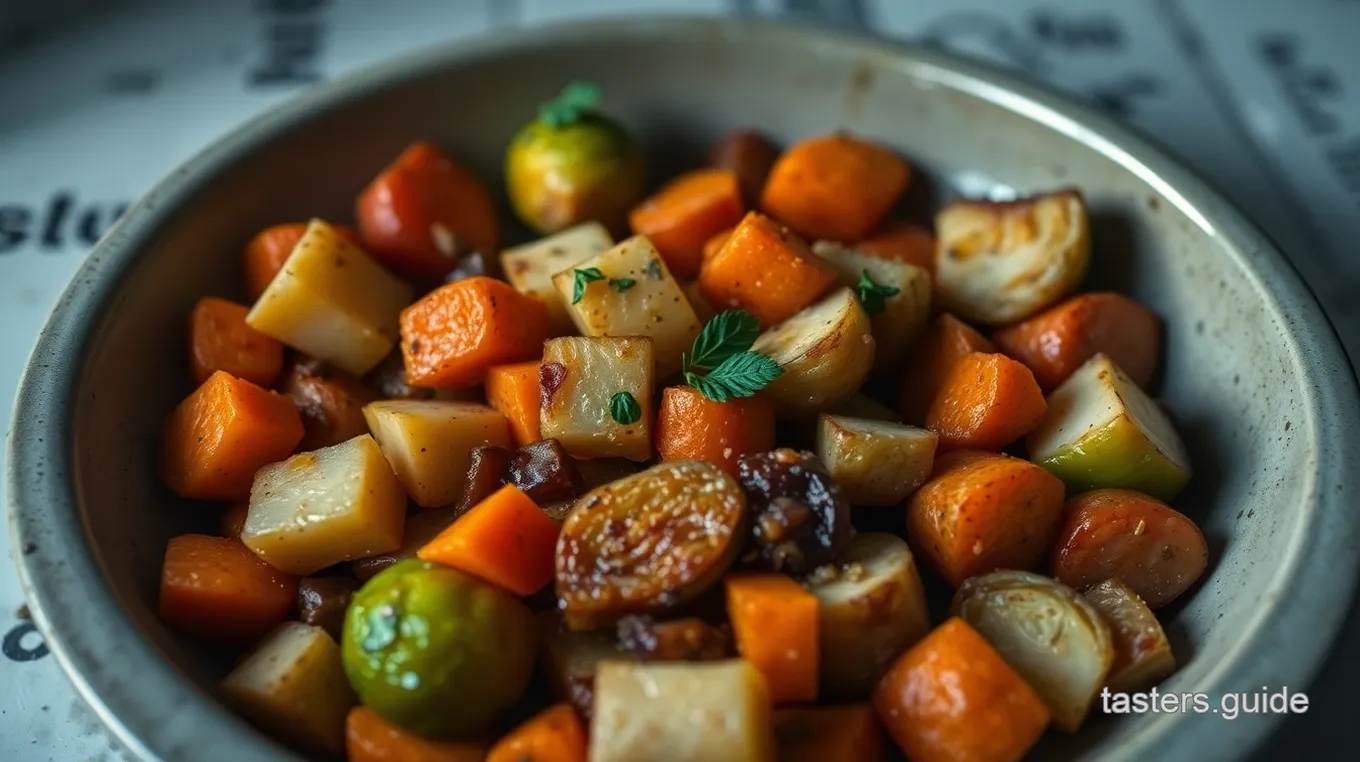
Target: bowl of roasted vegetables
{"x": 707, "y": 391}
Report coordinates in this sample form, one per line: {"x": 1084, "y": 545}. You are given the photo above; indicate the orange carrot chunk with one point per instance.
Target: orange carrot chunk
{"x": 766, "y": 270}
{"x": 685, "y": 213}
{"x": 1056, "y": 342}
{"x": 983, "y": 511}
{"x": 370, "y": 738}
{"x": 265, "y": 253}
{"x": 455, "y": 333}
{"x": 690, "y": 426}
{"x": 422, "y": 212}
{"x": 214, "y": 588}
{"x": 553, "y": 735}
{"x": 514, "y": 390}
{"x": 952, "y": 698}
{"x": 223, "y": 433}
{"x": 986, "y": 402}
{"x": 774, "y": 623}
{"x": 715, "y": 243}
{"x": 847, "y": 733}
{"x": 219, "y": 339}
{"x": 901, "y": 241}
{"x": 506, "y": 540}
{"x": 946, "y": 342}
{"x": 834, "y": 187}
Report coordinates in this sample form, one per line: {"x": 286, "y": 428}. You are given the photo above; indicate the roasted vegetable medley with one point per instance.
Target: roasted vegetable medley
{"x": 596, "y": 496}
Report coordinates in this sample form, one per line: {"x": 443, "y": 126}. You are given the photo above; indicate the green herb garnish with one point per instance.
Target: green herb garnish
{"x": 873, "y": 295}
{"x": 726, "y": 334}
{"x": 624, "y": 409}
{"x": 720, "y": 364}
{"x": 582, "y": 278}
{"x": 741, "y": 375}
{"x": 575, "y": 99}
{"x": 622, "y": 284}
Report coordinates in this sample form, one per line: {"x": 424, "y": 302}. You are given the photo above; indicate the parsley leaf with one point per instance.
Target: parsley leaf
{"x": 731, "y": 332}
{"x": 624, "y": 409}
{"x": 740, "y": 375}
{"x": 583, "y": 278}
{"x": 574, "y": 100}
{"x": 622, "y": 284}
{"x": 872, "y": 295}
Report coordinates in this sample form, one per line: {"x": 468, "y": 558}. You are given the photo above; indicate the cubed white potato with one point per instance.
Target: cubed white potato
{"x": 530, "y": 268}
{"x": 904, "y": 314}
{"x": 1000, "y": 262}
{"x": 430, "y": 442}
{"x": 293, "y": 687}
{"x": 826, "y": 351}
{"x": 322, "y": 507}
{"x": 1142, "y": 654}
{"x": 1049, "y": 634}
{"x": 715, "y": 711}
{"x": 876, "y": 462}
{"x": 1101, "y": 430}
{"x": 871, "y": 608}
{"x": 580, "y": 375}
{"x": 653, "y": 305}
{"x": 333, "y": 302}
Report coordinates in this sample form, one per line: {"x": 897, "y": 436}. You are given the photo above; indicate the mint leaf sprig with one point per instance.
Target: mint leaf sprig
{"x": 721, "y": 364}
{"x": 873, "y": 295}
{"x": 624, "y": 408}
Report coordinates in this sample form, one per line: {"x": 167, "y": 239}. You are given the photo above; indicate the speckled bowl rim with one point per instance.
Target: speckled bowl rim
{"x": 157, "y": 714}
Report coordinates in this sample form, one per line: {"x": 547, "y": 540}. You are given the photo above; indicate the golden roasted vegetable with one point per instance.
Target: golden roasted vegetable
{"x": 293, "y": 686}
{"x": 897, "y": 318}
{"x": 826, "y": 352}
{"x": 430, "y": 442}
{"x": 1000, "y": 262}
{"x": 1047, "y": 632}
{"x": 319, "y": 508}
{"x": 1142, "y": 654}
{"x": 627, "y": 291}
{"x": 875, "y": 462}
{"x": 648, "y": 543}
{"x": 531, "y": 267}
{"x": 580, "y": 379}
{"x": 872, "y": 608}
{"x": 332, "y": 302}
{"x": 716, "y": 711}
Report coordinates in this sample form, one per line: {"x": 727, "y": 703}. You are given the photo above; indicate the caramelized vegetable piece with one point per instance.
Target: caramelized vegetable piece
{"x": 530, "y": 268}
{"x": 834, "y": 186}
{"x": 897, "y": 318}
{"x": 1139, "y": 540}
{"x": 766, "y": 270}
{"x": 952, "y": 698}
{"x": 514, "y": 391}
{"x": 570, "y": 659}
{"x": 487, "y": 472}
{"x": 505, "y": 540}
{"x": 986, "y": 402}
{"x": 579, "y": 380}
{"x": 389, "y": 380}
{"x": 648, "y": 543}
{"x": 726, "y": 715}
{"x": 1142, "y": 654}
{"x": 545, "y": 472}
{"x": 420, "y": 528}
{"x": 455, "y": 333}
{"x": 690, "y": 426}
{"x": 322, "y": 602}
{"x": 333, "y": 302}
{"x": 774, "y": 622}
{"x": 902, "y": 242}
{"x": 219, "y": 339}
{"x": 826, "y": 352}
{"x": 330, "y": 401}
{"x": 320, "y": 508}
{"x": 685, "y": 213}
{"x": 414, "y": 212}
{"x": 267, "y": 251}
{"x": 430, "y": 444}
{"x": 233, "y": 519}
{"x": 215, "y": 589}
{"x": 828, "y": 734}
{"x": 689, "y": 639}
{"x": 984, "y": 511}
{"x": 1059, "y": 340}
{"x": 553, "y": 735}
{"x": 1000, "y": 262}
{"x": 875, "y": 462}
{"x": 945, "y": 342}
{"x": 748, "y": 154}
{"x": 219, "y": 436}
{"x": 293, "y": 686}
{"x": 871, "y": 608}
{"x": 800, "y": 519}
{"x": 1047, "y": 632}
{"x": 370, "y": 738}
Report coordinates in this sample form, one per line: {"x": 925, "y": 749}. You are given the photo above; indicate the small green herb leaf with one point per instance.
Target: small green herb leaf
{"x": 725, "y": 335}
{"x": 624, "y": 409}
{"x": 574, "y": 100}
{"x": 622, "y": 284}
{"x": 872, "y": 295}
{"x": 583, "y": 278}
{"x": 740, "y": 375}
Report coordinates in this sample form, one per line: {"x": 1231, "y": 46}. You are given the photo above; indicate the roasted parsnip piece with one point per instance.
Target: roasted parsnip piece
{"x": 826, "y": 351}
{"x": 1142, "y": 654}
{"x": 430, "y": 442}
{"x": 903, "y": 314}
{"x": 875, "y": 462}
{"x": 579, "y": 379}
{"x": 531, "y": 267}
